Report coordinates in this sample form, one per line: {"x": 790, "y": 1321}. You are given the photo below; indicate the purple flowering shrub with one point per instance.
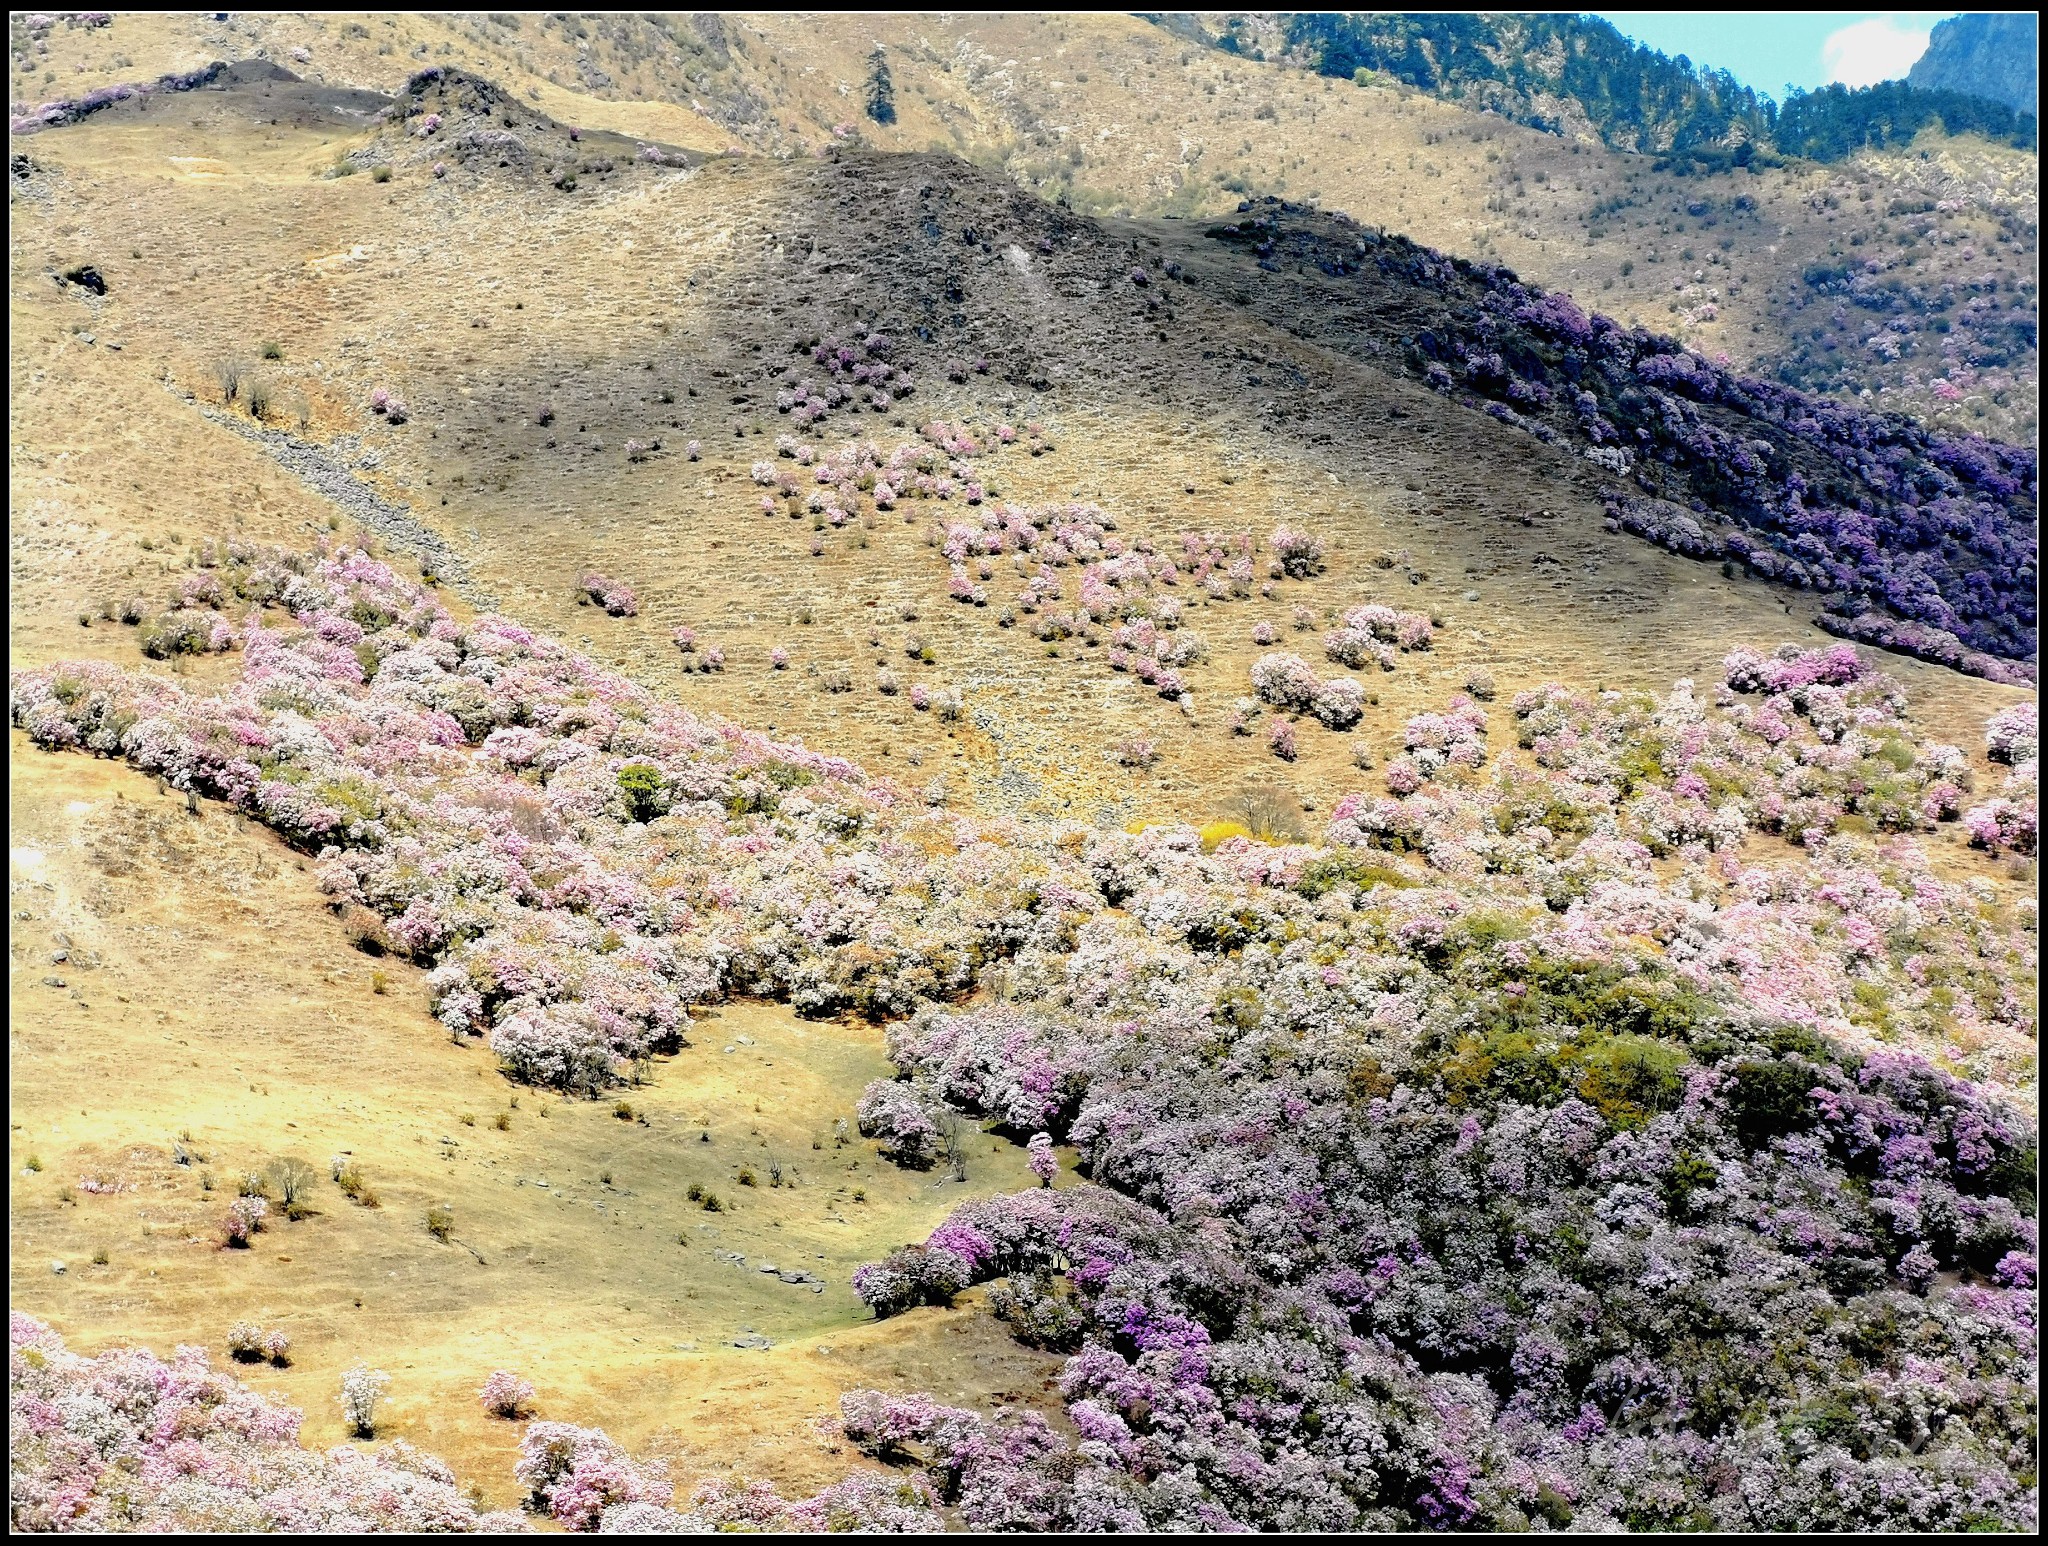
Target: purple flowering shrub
{"x": 1466, "y": 1173}
{"x": 506, "y": 1394}
{"x": 1627, "y": 1126}
{"x": 2013, "y": 735}
{"x": 864, "y": 1503}
{"x": 1920, "y": 540}
{"x": 127, "y": 1442}
{"x": 850, "y": 373}
{"x": 67, "y": 110}
{"x": 905, "y": 1125}
{"x": 1373, "y": 632}
{"x": 615, "y": 596}
{"x": 1298, "y": 553}
{"x": 1133, "y": 588}
{"x": 575, "y": 1474}
{"x": 465, "y": 789}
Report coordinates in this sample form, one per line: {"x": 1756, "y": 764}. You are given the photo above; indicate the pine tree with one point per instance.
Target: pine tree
{"x": 881, "y": 89}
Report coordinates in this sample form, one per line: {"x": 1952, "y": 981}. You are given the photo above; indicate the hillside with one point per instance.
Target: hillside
{"x": 1117, "y": 115}
{"x": 958, "y": 859}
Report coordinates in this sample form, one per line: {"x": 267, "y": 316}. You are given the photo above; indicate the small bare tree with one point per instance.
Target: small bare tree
{"x": 228, "y": 374}
{"x": 293, "y": 1178}
{"x": 1267, "y": 813}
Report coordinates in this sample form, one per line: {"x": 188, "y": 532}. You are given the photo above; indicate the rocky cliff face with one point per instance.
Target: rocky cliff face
{"x": 1985, "y": 55}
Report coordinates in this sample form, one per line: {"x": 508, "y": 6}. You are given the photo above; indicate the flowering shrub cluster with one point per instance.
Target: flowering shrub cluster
{"x": 66, "y": 110}
{"x": 250, "y": 1343}
{"x": 906, "y": 1126}
{"x": 1878, "y": 513}
{"x": 1297, "y": 554}
{"x": 1132, "y": 588}
{"x": 1623, "y": 1128}
{"x": 1433, "y": 742}
{"x": 1465, "y": 1173}
{"x": 615, "y": 596}
{"x": 127, "y": 1442}
{"x": 574, "y": 1475}
{"x": 1289, "y": 682}
{"x": 245, "y": 1218}
{"x": 1373, "y": 632}
{"x": 852, "y": 373}
{"x": 506, "y": 1394}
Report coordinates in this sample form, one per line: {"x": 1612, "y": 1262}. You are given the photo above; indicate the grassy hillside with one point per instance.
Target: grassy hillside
{"x": 1119, "y": 116}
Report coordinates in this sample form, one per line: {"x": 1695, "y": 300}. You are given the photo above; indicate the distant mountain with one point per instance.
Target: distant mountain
{"x": 1580, "y": 76}
{"x": 1986, "y": 55}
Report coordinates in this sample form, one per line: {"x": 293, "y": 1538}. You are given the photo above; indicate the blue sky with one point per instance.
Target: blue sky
{"x": 1771, "y": 50}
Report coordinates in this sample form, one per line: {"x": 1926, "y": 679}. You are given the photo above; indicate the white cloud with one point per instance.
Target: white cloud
{"x": 1866, "y": 52}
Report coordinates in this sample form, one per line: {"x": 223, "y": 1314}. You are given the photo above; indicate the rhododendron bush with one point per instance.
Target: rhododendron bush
{"x": 1466, "y": 1173}
{"x": 127, "y": 1442}
{"x": 1920, "y": 540}
{"x": 1617, "y": 1122}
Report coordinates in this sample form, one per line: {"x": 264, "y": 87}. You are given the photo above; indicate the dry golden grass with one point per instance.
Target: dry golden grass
{"x": 207, "y": 1001}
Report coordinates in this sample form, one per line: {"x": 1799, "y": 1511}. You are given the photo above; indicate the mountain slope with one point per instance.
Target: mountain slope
{"x": 1987, "y": 54}
{"x": 1120, "y": 116}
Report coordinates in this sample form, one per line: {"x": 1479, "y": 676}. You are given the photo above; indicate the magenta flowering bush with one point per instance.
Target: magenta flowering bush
{"x": 574, "y": 1475}
{"x": 1280, "y": 739}
{"x": 1625, "y": 1124}
{"x": 905, "y": 1125}
{"x": 1642, "y": 1074}
{"x": 615, "y": 596}
{"x": 244, "y": 1219}
{"x": 864, "y": 1503}
{"x": 2013, "y": 735}
{"x": 848, "y": 373}
{"x": 130, "y": 1443}
{"x": 1298, "y": 553}
{"x": 1918, "y": 539}
{"x": 1043, "y": 1162}
{"x": 1338, "y": 703}
{"x": 506, "y": 1394}
{"x": 1373, "y": 632}
{"x": 1285, "y": 681}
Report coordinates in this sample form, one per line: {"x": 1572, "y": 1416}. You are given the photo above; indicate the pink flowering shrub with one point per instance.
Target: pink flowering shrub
{"x": 128, "y": 1443}
{"x": 1584, "y": 1116}
{"x": 1339, "y": 702}
{"x": 1373, "y": 633}
{"x": 1043, "y": 1162}
{"x": 1285, "y": 681}
{"x": 505, "y": 1394}
{"x": 244, "y": 1219}
{"x": 1135, "y": 752}
{"x": 1298, "y": 553}
{"x": 903, "y": 1123}
{"x": 575, "y": 1474}
{"x": 2002, "y": 825}
{"x": 2013, "y": 734}
{"x": 1280, "y": 739}
{"x": 614, "y": 596}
